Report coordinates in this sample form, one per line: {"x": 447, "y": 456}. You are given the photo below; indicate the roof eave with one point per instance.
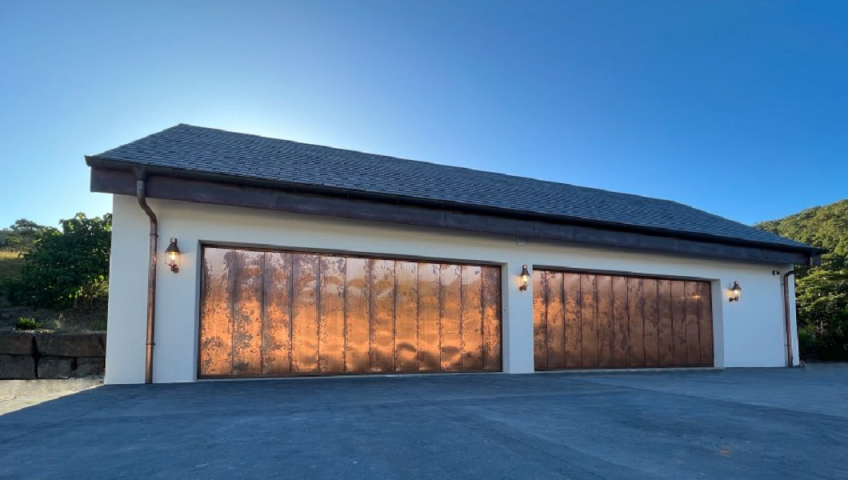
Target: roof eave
{"x": 101, "y": 161}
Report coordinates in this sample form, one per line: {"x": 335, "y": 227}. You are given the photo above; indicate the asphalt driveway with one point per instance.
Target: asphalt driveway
{"x": 732, "y": 424}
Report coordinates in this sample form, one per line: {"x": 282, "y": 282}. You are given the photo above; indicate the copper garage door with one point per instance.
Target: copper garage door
{"x": 284, "y": 313}
{"x": 583, "y": 320}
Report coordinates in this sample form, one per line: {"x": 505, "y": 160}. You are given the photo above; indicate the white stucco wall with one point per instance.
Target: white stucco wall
{"x": 747, "y": 334}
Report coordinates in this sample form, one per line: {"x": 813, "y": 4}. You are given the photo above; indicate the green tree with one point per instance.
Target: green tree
{"x": 65, "y": 266}
{"x": 21, "y": 235}
{"x": 825, "y": 226}
{"x": 821, "y": 293}
{"x": 822, "y": 299}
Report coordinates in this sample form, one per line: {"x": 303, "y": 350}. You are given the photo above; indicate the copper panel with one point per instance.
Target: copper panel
{"x": 305, "y": 314}
{"x": 606, "y": 330}
{"x": 357, "y": 316}
{"x": 491, "y": 319}
{"x": 678, "y": 312}
{"x": 429, "y": 350}
{"x": 540, "y": 320}
{"x": 276, "y": 321}
{"x": 406, "y": 317}
{"x": 637, "y": 330}
{"x": 382, "y": 316}
{"x": 651, "y": 317}
{"x": 472, "y": 318}
{"x": 705, "y": 315}
{"x": 277, "y": 313}
{"x": 621, "y": 323}
{"x": 693, "y": 342}
{"x": 589, "y": 321}
{"x": 555, "y": 320}
{"x": 665, "y": 329}
{"x": 450, "y": 318}
{"x": 247, "y": 313}
{"x": 331, "y": 326}
{"x": 216, "y": 336}
{"x": 573, "y": 329}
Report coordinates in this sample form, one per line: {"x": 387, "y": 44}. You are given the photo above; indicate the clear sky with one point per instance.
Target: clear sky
{"x": 736, "y": 107}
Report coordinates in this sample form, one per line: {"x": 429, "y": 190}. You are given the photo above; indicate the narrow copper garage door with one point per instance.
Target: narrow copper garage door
{"x": 285, "y": 313}
{"x": 584, "y": 320}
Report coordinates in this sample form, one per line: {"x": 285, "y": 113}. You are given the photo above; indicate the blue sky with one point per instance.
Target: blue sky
{"x": 736, "y": 107}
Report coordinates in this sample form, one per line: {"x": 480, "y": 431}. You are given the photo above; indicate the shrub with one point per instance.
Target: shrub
{"x": 64, "y": 267}
{"x": 27, "y": 323}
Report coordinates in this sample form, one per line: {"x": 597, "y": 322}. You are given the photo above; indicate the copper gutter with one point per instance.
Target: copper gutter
{"x": 787, "y": 311}
{"x": 787, "y": 314}
{"x": 151, "y": 275}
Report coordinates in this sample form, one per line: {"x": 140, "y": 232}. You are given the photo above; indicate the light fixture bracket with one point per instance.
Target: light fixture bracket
{"x": 735, "y": 292}
{"x": 525, "y": 278}
{"x": 173, "y": 254}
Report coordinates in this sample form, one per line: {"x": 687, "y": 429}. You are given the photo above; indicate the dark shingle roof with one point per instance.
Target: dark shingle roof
{"x": 197, "y": 149}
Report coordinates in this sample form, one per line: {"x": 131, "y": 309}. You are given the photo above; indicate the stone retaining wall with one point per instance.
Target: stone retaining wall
{"x": 27, "y": 356}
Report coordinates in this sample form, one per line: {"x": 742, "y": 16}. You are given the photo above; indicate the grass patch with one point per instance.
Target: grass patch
{"x": 27, "y": 323}
{"x": 10, "y": 265}
{"x": 73, "y": 320}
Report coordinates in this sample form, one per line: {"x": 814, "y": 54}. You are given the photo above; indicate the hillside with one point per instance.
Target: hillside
{"x": 10, "y": 264}
{"x": 825, "y": 226}
{"x": 822, "y": 293}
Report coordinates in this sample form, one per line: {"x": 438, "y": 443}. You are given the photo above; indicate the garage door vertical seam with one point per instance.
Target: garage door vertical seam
{"x": 440, "y": 315}
{"x": 291, "y": 313}
{"x": 232, "y": 280}
{"x": 344, "y": 318}
{"x": 262, "y": 315}
{"x": 394, "y": 315}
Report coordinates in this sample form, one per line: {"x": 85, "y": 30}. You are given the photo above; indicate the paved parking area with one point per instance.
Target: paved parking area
{"x": 19, "y": 394}
{"x": 773, "y": 423}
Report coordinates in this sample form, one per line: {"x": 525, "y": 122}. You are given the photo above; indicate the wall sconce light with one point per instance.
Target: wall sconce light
{"x": 525, "y": 278}
{"x": 173, "y": 252}
{"x": 735, "y": 292}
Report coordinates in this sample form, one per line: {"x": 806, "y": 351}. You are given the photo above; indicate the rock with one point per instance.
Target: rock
{"x": 17, "y": 344}
{"x": 55, "y": 367}
{"x": 13, "y": 367}
{"x": 71, "y": 345}
{"x": 90, "y": 367}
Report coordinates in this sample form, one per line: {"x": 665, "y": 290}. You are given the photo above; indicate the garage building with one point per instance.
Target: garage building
{"x": 235, "y": 256}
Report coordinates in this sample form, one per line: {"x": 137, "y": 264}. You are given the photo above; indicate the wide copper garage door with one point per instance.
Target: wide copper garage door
{"x": 285, "y": 313}
{"x": 584, "y": 320}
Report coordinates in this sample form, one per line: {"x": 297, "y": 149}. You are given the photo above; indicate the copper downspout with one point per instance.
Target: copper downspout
{"x": 151, "y": 276}
{"x": 787, "y": 311}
